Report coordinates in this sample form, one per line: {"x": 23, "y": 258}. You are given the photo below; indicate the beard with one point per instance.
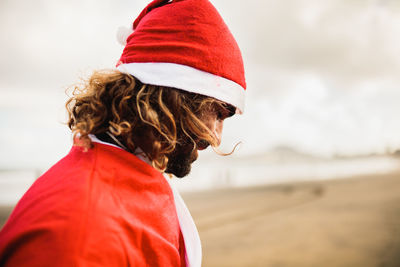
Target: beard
{"x": 180, "y": 160}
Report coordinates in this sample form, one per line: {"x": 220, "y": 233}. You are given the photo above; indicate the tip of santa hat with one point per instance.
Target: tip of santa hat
{"x": 123, "y": 33}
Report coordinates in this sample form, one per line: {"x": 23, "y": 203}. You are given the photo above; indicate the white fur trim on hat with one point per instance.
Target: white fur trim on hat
{"x": 188, "y": 79}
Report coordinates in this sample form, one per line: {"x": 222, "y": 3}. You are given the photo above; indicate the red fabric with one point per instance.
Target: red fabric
{"x": 187, "y": 32}
{"x": 103, "y": 207}
{"x": 154, "y": 4}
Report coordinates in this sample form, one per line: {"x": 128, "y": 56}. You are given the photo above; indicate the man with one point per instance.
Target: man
{"x": 107, "y": 203}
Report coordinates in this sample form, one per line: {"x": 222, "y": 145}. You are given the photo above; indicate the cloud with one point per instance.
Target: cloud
{"x": 322, "y": 75}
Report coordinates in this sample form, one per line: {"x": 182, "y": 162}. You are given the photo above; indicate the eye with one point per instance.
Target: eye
{"x": 225, "y": 112}
{"x": 231, "y": 110}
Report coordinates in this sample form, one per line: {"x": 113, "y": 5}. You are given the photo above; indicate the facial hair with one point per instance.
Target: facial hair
{"x": 181, "y": 159}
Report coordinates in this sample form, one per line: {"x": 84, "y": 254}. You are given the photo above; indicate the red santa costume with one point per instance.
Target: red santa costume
{"x": 109, "y": 207}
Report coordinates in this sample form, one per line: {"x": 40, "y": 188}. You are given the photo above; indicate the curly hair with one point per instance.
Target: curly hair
{"x": 115, "y": 102}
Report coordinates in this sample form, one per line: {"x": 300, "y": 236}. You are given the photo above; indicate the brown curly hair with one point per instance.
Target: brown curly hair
{"x": 132, "y": 111}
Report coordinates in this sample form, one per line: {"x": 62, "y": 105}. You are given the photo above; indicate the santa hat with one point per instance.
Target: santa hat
{"x": 185, "y": 44}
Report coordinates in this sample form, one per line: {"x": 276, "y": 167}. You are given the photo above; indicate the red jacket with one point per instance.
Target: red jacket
{"x": 103, "y": 207}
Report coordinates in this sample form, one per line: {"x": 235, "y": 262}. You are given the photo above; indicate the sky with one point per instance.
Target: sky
{"x": 323, "y": 76}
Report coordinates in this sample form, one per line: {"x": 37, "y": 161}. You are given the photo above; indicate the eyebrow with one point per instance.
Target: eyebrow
{"x": 231, "y": 109}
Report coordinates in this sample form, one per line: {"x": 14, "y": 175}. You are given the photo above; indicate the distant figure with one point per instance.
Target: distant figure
{"x": 107, "y": 202}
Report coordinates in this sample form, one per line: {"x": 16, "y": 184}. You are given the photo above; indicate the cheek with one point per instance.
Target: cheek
{"x": 217, "y": 130}
{"x": 215, "y": 126}
{"x": 212, "y": 124}
{"x": 210, "y": 121}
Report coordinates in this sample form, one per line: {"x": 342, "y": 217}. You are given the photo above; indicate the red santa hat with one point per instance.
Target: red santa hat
{"x": 185, "y": 44}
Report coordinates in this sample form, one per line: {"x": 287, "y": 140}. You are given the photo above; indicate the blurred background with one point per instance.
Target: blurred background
{"x": 316, "y": 179}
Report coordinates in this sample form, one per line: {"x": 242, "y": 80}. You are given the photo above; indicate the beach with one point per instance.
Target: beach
{"x": 332, "y": 223}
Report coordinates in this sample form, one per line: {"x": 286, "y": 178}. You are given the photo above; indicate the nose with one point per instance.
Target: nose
{"x": 219, "y": 125}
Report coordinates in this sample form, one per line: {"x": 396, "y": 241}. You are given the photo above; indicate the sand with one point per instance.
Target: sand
{"x": 348, "y": 223}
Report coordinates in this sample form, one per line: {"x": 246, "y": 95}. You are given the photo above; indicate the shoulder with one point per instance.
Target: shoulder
{"x": 96, "y": 206}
